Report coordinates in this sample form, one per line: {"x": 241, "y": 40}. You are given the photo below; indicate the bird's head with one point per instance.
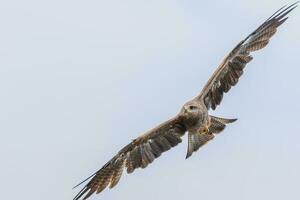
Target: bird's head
{"x": 191, "y": 110}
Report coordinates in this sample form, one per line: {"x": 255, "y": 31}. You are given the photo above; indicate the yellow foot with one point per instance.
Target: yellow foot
{"x": 206, "y": 129}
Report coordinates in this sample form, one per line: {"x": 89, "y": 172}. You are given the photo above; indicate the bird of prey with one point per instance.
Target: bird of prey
{"x": 193, "y": 117}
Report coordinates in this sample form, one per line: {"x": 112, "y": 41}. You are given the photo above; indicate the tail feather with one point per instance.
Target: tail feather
{"x": 197, "y": 140}
{"x": 190, "y": 149}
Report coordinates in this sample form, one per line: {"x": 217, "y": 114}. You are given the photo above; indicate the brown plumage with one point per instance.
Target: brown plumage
{"x": 193, "y": 117}
{"x": 137, "y": 154}
{"x": 230, "y": 70}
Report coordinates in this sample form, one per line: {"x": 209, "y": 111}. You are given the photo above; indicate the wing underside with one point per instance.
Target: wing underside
{"x": 231, "y": 68}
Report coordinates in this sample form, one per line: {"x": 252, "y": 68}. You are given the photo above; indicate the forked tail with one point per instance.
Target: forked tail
{"x": 197, "y": 140}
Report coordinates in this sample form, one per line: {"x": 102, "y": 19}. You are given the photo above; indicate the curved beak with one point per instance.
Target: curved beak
{"x": 185, "y": 109}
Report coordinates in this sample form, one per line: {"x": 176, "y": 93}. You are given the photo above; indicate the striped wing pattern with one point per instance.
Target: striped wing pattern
{"x": 231, "y": 69}
{"x": 137, "y": 154}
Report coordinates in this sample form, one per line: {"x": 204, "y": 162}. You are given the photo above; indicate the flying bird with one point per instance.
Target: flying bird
{"x": 193, "y": 118}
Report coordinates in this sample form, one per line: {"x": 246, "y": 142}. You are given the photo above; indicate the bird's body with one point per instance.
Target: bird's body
{"x": 193, "y": 117}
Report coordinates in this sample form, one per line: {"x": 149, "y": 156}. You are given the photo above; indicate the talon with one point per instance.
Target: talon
{"x": 206, "y": 130}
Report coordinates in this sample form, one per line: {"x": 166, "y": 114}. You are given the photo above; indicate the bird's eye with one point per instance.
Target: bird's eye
{"x": 192, "y": 107}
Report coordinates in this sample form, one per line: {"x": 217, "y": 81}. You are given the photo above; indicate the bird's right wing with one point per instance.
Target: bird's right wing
{"x": 138, "y": 154}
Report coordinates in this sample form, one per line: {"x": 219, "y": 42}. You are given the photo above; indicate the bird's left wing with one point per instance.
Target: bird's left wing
{"x": 137, "y": 154}
{"x": 230, "y": 70}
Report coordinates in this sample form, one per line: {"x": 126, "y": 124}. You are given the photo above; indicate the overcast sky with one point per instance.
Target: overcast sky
{"x": 80, "y": 79}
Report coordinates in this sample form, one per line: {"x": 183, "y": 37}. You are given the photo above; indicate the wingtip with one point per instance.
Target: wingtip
{"x": 284, "y": 10}
{"x": 85, "y": 180}
{"x": 296, "y": 3}
{"x": 233, "y": 120}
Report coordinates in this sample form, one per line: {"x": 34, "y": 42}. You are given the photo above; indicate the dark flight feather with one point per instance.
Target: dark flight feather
{"x": 138, "y": 154}
{"x": 231, "y": 69}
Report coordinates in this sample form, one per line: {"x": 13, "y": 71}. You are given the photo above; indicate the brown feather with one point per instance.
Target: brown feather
{"x": 155, "y": 148}
{"x": 197, "y": 140}
{"x": 231, "y": 68}
{"x": 116, "y": 176}
{"x": 138, "y": 154}
{"x": 257, "y": 45}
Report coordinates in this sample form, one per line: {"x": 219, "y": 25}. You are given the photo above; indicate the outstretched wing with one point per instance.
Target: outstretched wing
{"x": 230, "y": 70}
{"x": 138, "y": 154}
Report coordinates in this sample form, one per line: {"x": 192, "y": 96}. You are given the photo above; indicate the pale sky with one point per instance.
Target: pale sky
{"x": 80, "y": 79}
